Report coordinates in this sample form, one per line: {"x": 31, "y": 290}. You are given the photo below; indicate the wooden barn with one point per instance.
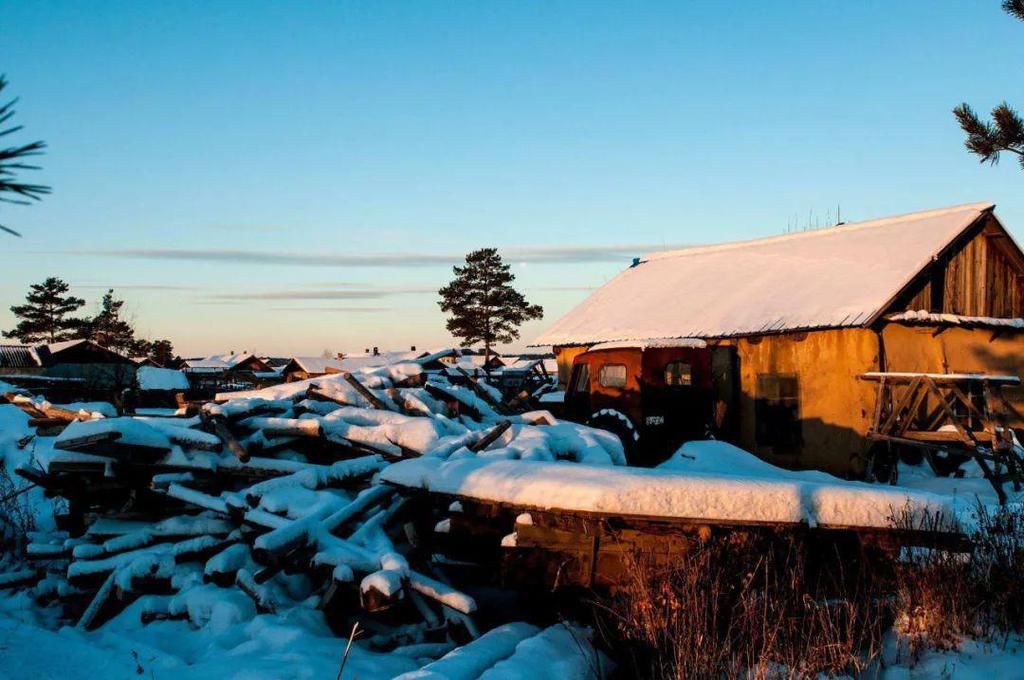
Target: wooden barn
{"x": 797, "y": 323}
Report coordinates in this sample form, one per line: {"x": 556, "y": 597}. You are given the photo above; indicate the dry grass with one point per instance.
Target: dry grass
{"x": 744, "y": 608}
{"x": 942, "y": 597}
{"x": 763, "y": 606}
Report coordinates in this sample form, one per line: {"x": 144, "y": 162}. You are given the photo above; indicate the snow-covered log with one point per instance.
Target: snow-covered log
{"x": 470, "y": 661}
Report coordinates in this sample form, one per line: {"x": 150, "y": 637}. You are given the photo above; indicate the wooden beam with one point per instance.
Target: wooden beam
{"x": 364, "y": 391}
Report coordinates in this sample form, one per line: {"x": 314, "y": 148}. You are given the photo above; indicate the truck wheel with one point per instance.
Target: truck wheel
{"x": 946, "y": 463}
{"x": 882, "y": 464}
{"x": 622, "y": 427}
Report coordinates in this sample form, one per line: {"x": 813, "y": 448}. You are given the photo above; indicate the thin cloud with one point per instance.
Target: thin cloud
{"x": 136, "y": 286}
{"x": 346, "y": 310}
{"x": 259, "y": 228}
{"x": 345, "y": 294}
{"x": 538, "y": 255}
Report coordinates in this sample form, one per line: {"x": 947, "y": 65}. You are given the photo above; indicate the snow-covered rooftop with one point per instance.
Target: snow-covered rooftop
{"x": 218, "y": 361}
{"x": 318, "y": 365}
{"x": 153, "y": 378}
{"x": 922, "y": 316}
{"x": 830, "y": 278}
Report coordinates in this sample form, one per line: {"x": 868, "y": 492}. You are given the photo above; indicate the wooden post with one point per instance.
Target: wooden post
{"x": 481, "y": 392}
{"x": 101, "y": 597}
{"x": 490, "y": 437}
{"x": 364, "y": 391}
{"x": 220, "y": 429}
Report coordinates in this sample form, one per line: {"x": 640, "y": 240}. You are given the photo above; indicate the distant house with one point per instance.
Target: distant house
{"x": 227, "y": 372}
{"x": 88, "y": 361}
{"x": 793, "y": 321}
{"x": 159, "y": 387}
{"x": 73, "y": 362}
{"x": 19, "y": 359}
{"x": 243, "y": 362}
{"x": 153, "y": 379}
{"x": 303, "y": 368}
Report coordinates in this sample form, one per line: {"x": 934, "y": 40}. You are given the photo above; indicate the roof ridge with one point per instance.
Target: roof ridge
{"x": 838, "y": 229}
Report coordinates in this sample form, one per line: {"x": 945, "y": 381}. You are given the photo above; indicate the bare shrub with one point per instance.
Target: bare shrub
{"x": 745, "y": 606}
{"x": 997, "y": 569}
{"x": 16, "y": 517}
{"x": 945, "y": 593}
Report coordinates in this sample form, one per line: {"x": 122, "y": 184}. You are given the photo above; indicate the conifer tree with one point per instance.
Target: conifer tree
{"x": 108, "y": 329}
{"x": 988, "y": 140}
{"x": 162, "y": 352}
{"x": 45, "y": 316}
{"x": 12, "y": 162}
{"x": 482, "y": 304}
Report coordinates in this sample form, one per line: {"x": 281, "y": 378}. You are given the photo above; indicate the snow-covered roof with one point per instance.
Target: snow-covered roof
{"x": 654, "y": 343}
{"x": 219, "y": 361}
{"x": 353, "y": 362}
{"x": 726, "y": 484}
{"x": 152, "y": 378}
{"x": 18, "y": 356}
{"x": 830, "y": 278}
{"x": 922, "y": 316}
{"x": 318, "y": 365}
{"x": 55, "y": 347}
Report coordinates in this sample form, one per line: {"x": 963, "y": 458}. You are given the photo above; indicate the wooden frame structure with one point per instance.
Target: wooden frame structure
{"x": 556, "y": 548}
{"x": 960, "y": 413}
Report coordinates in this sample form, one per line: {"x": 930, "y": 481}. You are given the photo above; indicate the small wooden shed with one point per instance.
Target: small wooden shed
{"x": 795, "y": 320}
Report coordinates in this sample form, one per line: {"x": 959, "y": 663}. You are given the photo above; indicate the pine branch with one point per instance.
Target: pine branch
{"x": 988, "y": 140}
{"x": 1014, "y": 8}
{"x": 11, "y": 163}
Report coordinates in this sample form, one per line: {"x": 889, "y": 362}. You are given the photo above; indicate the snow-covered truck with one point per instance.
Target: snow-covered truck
{"x": 653, "y": 395}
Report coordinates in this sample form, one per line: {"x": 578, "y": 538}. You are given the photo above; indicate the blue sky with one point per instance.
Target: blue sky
{"x": 294, "y": 177}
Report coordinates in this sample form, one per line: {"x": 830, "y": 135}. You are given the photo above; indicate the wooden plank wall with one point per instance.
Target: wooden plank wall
{"x": 983, "y": 277}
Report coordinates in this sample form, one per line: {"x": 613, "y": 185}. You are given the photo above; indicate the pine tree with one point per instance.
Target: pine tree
{"x": 12, "y": 161}
{"x": 1014, "y": 7}
{"x": 45, "y": 316}
{"x": 988, "y": 140}
{"x": 482, "y": 304}
{"x": 162, "y": 352}
{"x": 108, "y": 329}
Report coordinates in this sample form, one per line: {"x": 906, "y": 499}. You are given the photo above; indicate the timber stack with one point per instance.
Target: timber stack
{"x": 272, "y": 496}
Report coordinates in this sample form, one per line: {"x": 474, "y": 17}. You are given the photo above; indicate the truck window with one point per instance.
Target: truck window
{"x": 678, "y": 373}
{"x": 581, "y": 378}
{"x": 777, "y": 412}
{"x": 612, "y": 375}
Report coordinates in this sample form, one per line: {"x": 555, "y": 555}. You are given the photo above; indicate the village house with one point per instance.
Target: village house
{"x": 794, "y": 322}
{"x": 231, "y": 362}
{"x": 67, "y": 369}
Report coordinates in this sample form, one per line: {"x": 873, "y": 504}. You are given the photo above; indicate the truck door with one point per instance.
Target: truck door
{"x": 577, "y": 395}
{"x": 677, "y": 398}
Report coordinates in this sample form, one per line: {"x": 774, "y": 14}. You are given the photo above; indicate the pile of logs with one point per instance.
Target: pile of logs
{"x": 275, "y": 498}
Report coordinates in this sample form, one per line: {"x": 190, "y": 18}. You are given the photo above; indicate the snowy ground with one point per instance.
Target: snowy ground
{"x": 231, "y": 640}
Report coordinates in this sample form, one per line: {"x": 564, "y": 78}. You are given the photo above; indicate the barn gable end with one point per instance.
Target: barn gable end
{"x": 980, "y": 274}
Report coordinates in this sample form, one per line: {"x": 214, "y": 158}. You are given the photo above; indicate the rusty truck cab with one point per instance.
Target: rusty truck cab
{"x": 653, "y": 395}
